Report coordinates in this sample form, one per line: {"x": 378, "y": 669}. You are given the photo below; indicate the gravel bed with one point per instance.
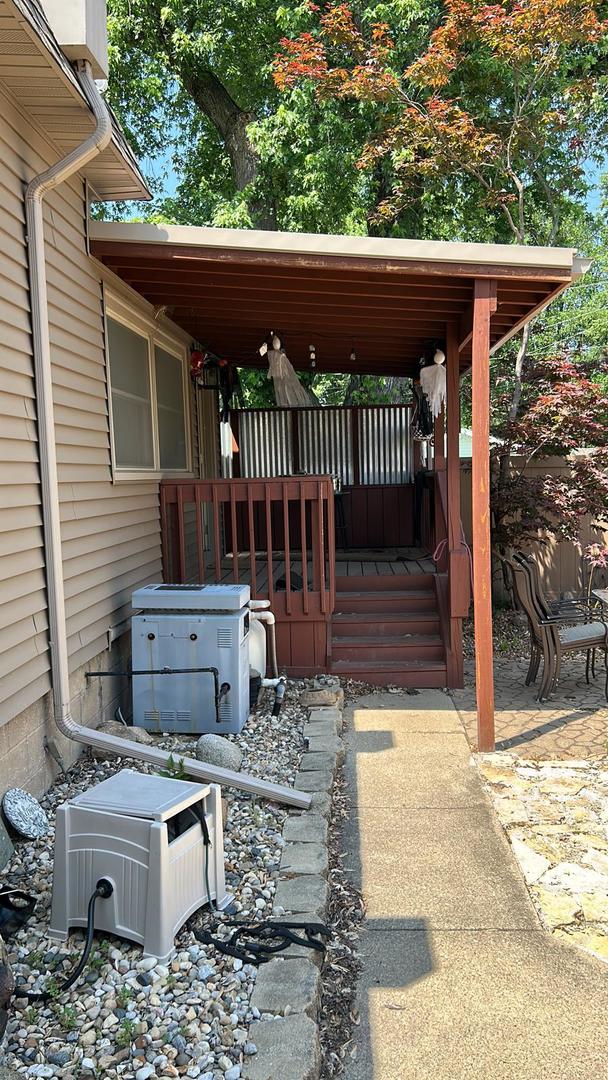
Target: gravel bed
{"x": 135, "y": 1018}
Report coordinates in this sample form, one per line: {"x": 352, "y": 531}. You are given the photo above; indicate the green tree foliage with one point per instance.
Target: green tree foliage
{"x": 191, "y": 81}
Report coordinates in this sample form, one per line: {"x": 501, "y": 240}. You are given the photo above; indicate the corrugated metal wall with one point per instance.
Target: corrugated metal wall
{"x": 323, "y": 440}
{"x": 265, "y": 443}
{"x": 385, "y": 445}
{"x": 110, "y": 531}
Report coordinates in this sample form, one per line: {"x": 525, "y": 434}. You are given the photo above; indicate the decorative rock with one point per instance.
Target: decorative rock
{"x": 306, "y": 829}
{"x": 318, "y": 761}
{"x": 305, "y": 893}
{"x": 557, "y": 908}
{"x": 59, "y": 1057}
{"x": 304, "y": 859}
{"x": 123, "y": 731}
{"x": 330, "y": 720}
{"x": 325, "y": 744}
{"x": 287, "y": 1047}
{"x": 575, "y": 879}
{"x": 6, "y": 848}
{"x": 317, "y": 780}
{"x": 216, "y": 750}
{"x": 25, "y": 814}
{"x": 144, "y": 1073}
{"x": 532, "y": 865}
{"x": 233, "y": 1073}
{"x": 287, "y": 983}
{"x": 312, "y": 699}
{"x": 586, "y": 939}
{"x": 595, "y": 907}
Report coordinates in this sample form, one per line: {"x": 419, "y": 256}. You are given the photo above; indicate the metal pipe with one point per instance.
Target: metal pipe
{"x": 268, "y": 618}
{"x": 36, "y": 190}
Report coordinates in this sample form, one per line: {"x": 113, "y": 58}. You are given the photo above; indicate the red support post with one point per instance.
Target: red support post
{"x": 483, "y": 307}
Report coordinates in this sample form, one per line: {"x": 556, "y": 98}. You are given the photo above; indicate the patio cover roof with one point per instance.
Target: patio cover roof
{"x": 387, "y": 298}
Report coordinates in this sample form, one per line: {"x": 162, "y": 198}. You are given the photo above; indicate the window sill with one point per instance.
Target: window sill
{"x": 121, "y": 476}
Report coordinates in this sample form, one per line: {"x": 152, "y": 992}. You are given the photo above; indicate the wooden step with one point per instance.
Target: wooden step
{"x": 380, "y": 601}
{"x": 382, "y": 582}
{"x": 420, "y": 674}
{"x": 364, "y": 623}
{"x": 387, "y": 647}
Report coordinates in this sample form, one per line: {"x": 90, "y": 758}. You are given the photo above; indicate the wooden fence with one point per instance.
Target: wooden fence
{"x": 563, "y": 570}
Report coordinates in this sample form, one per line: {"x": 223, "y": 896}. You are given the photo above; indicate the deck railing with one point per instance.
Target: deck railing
{"x": 276, "y": 535}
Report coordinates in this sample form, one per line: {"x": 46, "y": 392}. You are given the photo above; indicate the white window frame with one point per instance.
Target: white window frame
{"x": 115, "y": 308}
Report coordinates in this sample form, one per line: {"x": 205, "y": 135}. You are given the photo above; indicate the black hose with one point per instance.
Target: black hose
{"x": 103, "y": 890}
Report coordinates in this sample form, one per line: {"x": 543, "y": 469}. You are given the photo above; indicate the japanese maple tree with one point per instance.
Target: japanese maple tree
{"x": 563, "y": 413}
{"x": 507, "y": 101}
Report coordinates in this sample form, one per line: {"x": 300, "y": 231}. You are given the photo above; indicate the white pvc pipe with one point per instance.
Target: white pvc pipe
{"x": 38, "y": 187}
{"x": 268, "y": 618}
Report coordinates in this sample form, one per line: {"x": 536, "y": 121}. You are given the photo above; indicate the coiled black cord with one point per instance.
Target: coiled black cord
{"x": 103, "y": 890}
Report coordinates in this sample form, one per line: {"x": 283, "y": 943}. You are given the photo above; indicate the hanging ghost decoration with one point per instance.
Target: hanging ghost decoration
{"x": 432, "y": 381}
{"x": 288, "y": 390}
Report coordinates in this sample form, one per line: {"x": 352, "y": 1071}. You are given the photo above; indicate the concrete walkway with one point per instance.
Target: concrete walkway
{"x": 459, "y": 981}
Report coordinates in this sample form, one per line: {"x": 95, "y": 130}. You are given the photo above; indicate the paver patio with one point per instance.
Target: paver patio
{"x": 459, "y": 978}
{"x": 572, "y": 724}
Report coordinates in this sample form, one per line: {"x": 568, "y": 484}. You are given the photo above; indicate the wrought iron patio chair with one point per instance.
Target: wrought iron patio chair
{"x": 580, "y": 629}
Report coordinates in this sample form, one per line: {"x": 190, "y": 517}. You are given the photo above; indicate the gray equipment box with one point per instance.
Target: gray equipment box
{"x": 182, "y": 628}
{"x": 144, "y": 834}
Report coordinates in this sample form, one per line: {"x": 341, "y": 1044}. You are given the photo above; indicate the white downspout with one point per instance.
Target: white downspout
{"x": 58, "y": 644}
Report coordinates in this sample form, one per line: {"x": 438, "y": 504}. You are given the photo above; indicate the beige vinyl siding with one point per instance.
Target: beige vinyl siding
{"x": 24, "y": 666}
{"x": 110, "y": 531}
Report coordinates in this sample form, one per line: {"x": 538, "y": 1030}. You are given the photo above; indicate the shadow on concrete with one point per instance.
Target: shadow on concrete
{"x": 374, "y": 742}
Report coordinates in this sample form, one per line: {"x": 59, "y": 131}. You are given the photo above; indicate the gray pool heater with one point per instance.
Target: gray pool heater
{"x": 191, "y": 658}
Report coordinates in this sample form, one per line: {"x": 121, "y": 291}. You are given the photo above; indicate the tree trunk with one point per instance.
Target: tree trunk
{"x": 519, "y": 373}
{"x": 231, "y": 122}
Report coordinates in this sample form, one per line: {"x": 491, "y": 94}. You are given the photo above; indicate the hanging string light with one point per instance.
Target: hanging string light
{"x": 312, "y": 357}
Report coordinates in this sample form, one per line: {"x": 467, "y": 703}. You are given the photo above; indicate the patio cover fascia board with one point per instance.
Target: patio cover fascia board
{"x": 115, "y": 173}
{"x": 390, "y": 297}
{"x": 463, "y": 259}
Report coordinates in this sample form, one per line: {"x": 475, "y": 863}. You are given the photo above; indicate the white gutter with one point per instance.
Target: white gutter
{"x": 58, "y": 642}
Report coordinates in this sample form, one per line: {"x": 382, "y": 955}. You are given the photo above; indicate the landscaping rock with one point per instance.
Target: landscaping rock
{"x": 314, "y": 762}
{"x": 304, "y": 859}
{"x": 216, "y": 750}
{"x": 325, "y": 716}
{"x": 288, "y": 1049}
{"x": 306, "y": 829}
{"x": 123, "y": 731}
{"x": 305, "y": 893}
{"x": 313, "y": 699}
{"x": 325, "y": 744}
{"x": 287, "y": 984}
{"x": 6, "y": 846}
{"x": 533, "y": 865}
{"x": 557, "y": 908}
{"x": 316, "y": 780}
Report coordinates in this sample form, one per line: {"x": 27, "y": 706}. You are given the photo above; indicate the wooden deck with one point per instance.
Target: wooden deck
{"x": 358, "y": 562}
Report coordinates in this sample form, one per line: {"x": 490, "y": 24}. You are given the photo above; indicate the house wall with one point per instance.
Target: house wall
{"x": 110, "y": 531}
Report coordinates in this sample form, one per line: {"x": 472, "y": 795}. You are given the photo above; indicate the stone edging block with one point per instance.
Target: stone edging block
{"x": 288, "y": 1047}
